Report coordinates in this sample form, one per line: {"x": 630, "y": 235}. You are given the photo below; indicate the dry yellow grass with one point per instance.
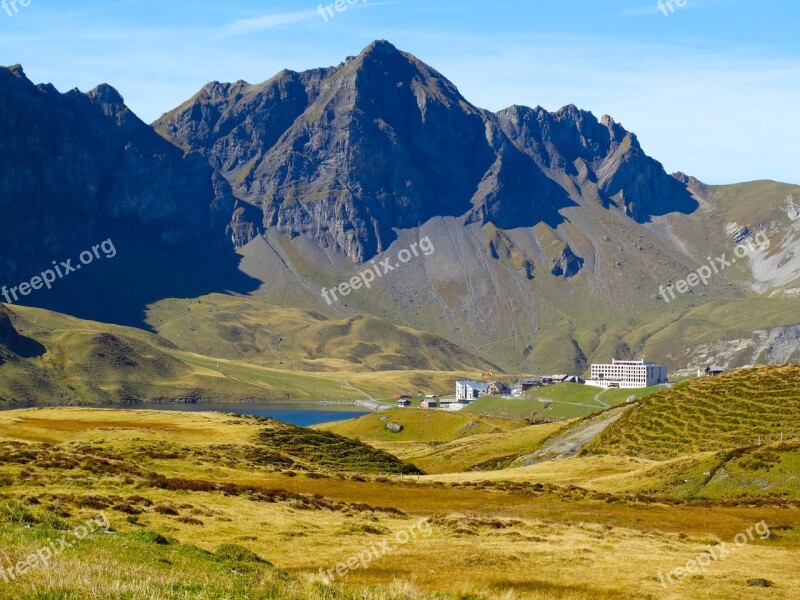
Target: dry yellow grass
{"x": 487, "y": 449}
{"x": 487, "y": 540}
{"x": 117, "y": 427}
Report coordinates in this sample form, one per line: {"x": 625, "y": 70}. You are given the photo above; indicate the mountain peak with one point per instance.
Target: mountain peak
{"x": 16, "y": 71}
{"x": 380, "y": 47}
{"x": 106, "y": 95}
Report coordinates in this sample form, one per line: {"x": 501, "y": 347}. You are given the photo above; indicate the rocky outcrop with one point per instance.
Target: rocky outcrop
{"x": 567, "y": 264}
{"x": 572, "y": 142}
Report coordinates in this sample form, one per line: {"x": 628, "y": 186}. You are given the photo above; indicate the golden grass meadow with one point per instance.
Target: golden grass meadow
{"x": 210, "y": 505}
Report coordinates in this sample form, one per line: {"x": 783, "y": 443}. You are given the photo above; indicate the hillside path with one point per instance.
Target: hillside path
{"x": 569, "y": 442}
{"x": 600, "y": 402}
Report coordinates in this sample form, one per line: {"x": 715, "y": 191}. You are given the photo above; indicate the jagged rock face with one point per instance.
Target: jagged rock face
{"x": 567, "y": 265}
{"x": 74, "y": 163}
{"x": 345, "y": 155}
{"x": 602, "y": 153}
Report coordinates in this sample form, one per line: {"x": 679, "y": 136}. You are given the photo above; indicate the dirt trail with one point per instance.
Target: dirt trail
{"x": 600, "y": 402}
{"x": 569, "y": 442}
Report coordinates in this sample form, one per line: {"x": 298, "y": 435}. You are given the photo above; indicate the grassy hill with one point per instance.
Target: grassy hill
{"x": 203, "y": 506}
{"x": 81, "y": 362}
{"x": 735, "y": 410}
{"x": 245, "y": 329}
{"x": 557, "y": 402}
{"x": 444, "y": 442}
{"x": 419, "y": 425}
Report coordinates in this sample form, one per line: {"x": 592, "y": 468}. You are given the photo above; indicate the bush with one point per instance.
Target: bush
{"x": 14, "y": 513}
{"x": 163, "y": 509}
{"x": 150, "y": 537}
{"x": 235, "y": 553}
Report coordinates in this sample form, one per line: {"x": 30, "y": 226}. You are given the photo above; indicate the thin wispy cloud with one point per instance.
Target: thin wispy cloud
{"x": 255, "y": 24}
{"x": 636, "y": 12}
{"x": 653, "y": 7}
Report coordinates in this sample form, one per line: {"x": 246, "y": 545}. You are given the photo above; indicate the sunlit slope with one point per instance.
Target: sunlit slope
{"x": 445, "y": 442}
{"x": 244, "y": 328}
{"x": 557, "y": 402}
{"x": 203, "y": 494}
{"x": 72, "y": 361}
{"x": 738, "y": 409}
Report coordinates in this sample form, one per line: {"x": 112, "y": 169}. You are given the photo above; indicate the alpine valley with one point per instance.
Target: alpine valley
{"x": 554, "y": 233}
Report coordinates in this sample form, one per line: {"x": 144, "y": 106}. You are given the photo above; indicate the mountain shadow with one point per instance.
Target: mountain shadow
{"x": 13, "y": 341}
{"x": 78, "y": 170}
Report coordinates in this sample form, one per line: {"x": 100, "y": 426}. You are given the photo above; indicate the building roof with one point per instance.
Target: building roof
{"x": 474, "y": 384}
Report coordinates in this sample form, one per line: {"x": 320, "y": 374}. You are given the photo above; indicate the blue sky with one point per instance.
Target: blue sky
{"x": 712, "y": 89}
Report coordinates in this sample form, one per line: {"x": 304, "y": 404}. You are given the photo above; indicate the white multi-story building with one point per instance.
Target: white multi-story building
{"x": 467, "y": 391}
{"x": 628, "y": 374}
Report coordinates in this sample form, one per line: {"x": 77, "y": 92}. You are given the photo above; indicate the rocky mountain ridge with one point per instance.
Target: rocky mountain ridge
{"x": 348, "y": 154}
{"x": 553, "y": 231}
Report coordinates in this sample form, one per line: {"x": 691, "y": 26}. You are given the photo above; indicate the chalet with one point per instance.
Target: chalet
{"x": 711, "y": 371}
{"x": 498, "y": 389}
{"x": 560, "y": 378}
{"x": 401, "y": 396}
{"x": 404, "y": 402}
{"x": 429, "y": 403}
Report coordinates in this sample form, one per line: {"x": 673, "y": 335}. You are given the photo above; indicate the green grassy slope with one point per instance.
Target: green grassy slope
{"x": 419, "y": 426}
{"x": 734, "y": 410}
{"x": 554, "y": 403}
{"x": 445, "y": 442}
{"x": 244, "y": 328}
{"x": 83, "y": 362}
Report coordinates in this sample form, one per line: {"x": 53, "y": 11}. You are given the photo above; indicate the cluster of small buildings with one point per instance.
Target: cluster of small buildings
{"x": 623, "y": 374}
{"x": 404, "y": 400}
